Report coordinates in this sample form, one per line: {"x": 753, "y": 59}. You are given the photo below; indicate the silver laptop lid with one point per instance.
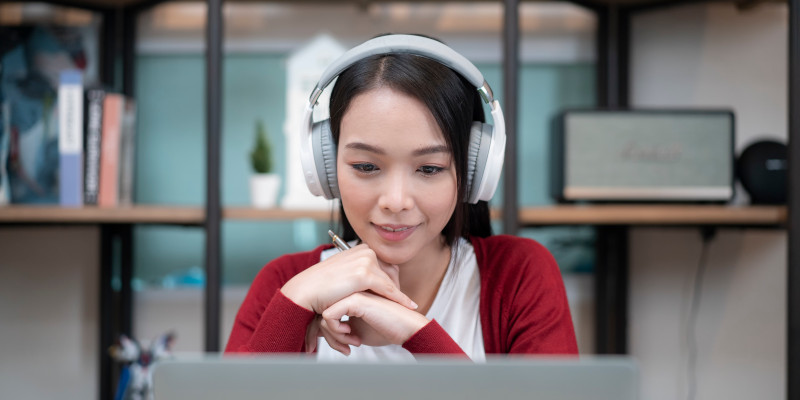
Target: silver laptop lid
{"x": 596, "y": 378}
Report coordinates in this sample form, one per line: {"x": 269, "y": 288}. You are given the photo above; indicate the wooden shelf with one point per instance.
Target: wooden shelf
{"x": 654, "y": 215}
{"x": 617, "y": 214}
{"x": 529, "y": 216}
{"x": 139, "y": 214}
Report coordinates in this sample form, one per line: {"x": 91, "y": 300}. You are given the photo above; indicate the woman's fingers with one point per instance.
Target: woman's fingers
{"x": 336, "y": 345}
{"x": 370, "y": 274}
{"x": 349, "y": 306}
{"x": 383, "y": 285}
{"x": 352, "y": 271}
{"x": 341, "y": 332}
{"x": 312, "y": 333}
{"x": 386, "y": 318}
{"x": 393, "y": 271}
{"x": 336, "y": 325}
{"x": 337, "y": 339}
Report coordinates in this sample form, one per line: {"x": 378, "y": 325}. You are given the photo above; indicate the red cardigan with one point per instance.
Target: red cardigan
{"x": 523, "y": 305}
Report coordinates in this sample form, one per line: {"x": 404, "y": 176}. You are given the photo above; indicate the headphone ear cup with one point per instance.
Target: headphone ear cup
{"x": 472, "y": 157}
{"x": 325, "y": 158}
{"x": 480, "y": 138}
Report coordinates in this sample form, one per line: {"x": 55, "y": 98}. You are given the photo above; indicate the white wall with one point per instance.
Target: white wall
{"x": 157, "y": 311}
{"x": 49, "y": 295}
{"x": 713, "y": 56}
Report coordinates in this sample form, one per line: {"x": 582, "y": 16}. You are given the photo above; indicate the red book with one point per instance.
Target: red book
{"x": 108, "y": 195}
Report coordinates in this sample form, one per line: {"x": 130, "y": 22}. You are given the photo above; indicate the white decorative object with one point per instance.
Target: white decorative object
{"x": 304, "y": 68}
{"x": 264, "y": 190}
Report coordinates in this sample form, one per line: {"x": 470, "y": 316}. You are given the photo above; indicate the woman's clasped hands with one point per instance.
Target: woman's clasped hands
{"x": 356, "y": 284}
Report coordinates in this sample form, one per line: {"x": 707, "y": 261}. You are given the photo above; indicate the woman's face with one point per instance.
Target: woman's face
{"x": 396, "y": 175}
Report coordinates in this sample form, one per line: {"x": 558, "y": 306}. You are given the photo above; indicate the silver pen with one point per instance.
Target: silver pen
{"x": 338, "y": 242}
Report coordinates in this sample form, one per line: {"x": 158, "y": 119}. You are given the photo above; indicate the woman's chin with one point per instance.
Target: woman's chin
{"x": 393, "y": 253}
{"x": 391, "y": 256}
{"x": 393, "y": 259}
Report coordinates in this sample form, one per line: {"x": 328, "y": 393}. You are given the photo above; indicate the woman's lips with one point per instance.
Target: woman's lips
{"x": 393, "y": 232}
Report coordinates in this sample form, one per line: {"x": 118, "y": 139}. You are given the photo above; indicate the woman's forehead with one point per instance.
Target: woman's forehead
{"x": 387, "y": 119}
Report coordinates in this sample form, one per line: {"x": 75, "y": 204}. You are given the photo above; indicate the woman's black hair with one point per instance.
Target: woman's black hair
{"x": 454, "y": 104}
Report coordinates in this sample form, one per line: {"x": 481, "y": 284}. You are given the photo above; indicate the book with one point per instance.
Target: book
{"x": 108, "y": 191}
{"x": 5, "y": 188}
{"x": 127, "y": 153}
{"x": 70, "y": 138}
{"x": 93, "y": 122}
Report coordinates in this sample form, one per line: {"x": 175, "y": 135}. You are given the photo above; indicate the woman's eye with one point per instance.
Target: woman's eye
{"x": 430, "y": 169}
{"x": 365, "y": 167}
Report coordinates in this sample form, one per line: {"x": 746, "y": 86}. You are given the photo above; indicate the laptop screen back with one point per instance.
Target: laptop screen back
{"x": 301, "y": 378}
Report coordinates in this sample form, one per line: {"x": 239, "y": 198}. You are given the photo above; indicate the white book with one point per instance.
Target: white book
{"x": 70, "y": 138}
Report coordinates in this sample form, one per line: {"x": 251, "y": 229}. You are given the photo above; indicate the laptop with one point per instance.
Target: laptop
{"x": 285, "y": 377}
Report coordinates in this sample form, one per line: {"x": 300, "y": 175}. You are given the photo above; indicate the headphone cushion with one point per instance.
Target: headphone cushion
{"x": 325, "y": 158}
{"x": 480, "y": 139}
{"x": 472, "y": 156}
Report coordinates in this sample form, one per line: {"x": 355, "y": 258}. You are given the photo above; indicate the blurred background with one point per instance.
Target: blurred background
{"x": 690, "y": 55}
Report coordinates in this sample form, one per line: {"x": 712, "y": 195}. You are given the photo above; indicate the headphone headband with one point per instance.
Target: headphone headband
{"x": 486, "y": 144}
{"x": 410, "y": 44}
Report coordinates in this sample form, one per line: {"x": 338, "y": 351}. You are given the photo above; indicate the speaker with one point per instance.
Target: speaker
{"x": 643, "y": 155}
{"x": 761, "y": 169}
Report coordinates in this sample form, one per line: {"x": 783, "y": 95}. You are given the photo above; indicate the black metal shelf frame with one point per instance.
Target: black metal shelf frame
{"x": 613, "y": 47}
{"x": 214, "y": 29}
{"x": 793, "y": 273}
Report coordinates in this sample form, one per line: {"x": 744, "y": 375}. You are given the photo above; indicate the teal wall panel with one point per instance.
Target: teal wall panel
{"x": 254, "y": 88}
{"x": 170, "y": 141}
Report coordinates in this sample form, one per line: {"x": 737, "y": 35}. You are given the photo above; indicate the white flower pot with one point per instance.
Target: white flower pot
{"x": 264, "y": 190}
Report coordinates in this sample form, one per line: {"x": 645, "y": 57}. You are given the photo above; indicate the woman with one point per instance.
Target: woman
{"x": 425, "y": 274}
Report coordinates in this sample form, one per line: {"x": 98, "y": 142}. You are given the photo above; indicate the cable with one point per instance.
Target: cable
{"x": 707, "y": 234}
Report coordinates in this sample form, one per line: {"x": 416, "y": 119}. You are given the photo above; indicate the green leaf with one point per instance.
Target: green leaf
{"x": 261, "y": 156}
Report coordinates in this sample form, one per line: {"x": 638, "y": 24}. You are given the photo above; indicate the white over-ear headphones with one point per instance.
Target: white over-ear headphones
{"x": 486, "y": 144}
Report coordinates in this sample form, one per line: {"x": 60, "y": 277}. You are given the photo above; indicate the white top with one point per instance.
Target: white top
{"x": 455, "y": 308}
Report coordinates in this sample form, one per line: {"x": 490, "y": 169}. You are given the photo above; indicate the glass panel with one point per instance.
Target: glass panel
{"x": 557, "y": 70}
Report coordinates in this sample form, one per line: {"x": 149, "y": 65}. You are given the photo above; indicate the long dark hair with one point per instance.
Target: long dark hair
{"x": 452, "y": 101}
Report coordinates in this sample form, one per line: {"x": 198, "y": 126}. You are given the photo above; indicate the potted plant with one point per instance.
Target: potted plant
{"x": 264, "y": 184}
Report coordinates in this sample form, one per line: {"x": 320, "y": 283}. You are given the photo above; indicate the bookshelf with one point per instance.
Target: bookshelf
{"x": 613, "y": 221}
{"x": 630, "y": 215}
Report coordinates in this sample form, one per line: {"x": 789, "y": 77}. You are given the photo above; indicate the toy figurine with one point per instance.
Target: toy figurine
{"x": 136, "y": 378}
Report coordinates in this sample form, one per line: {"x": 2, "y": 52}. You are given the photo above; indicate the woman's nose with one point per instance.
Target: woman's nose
{"x": 396, "y": 193}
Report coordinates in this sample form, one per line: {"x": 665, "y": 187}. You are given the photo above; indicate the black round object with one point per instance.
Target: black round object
{"x": 762, "y": 170}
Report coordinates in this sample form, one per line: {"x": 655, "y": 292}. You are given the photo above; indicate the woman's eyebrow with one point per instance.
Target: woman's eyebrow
{"x": 418, "y": 152}
{"x": 431, "y": 150}
{"x": 365, "y": 147}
